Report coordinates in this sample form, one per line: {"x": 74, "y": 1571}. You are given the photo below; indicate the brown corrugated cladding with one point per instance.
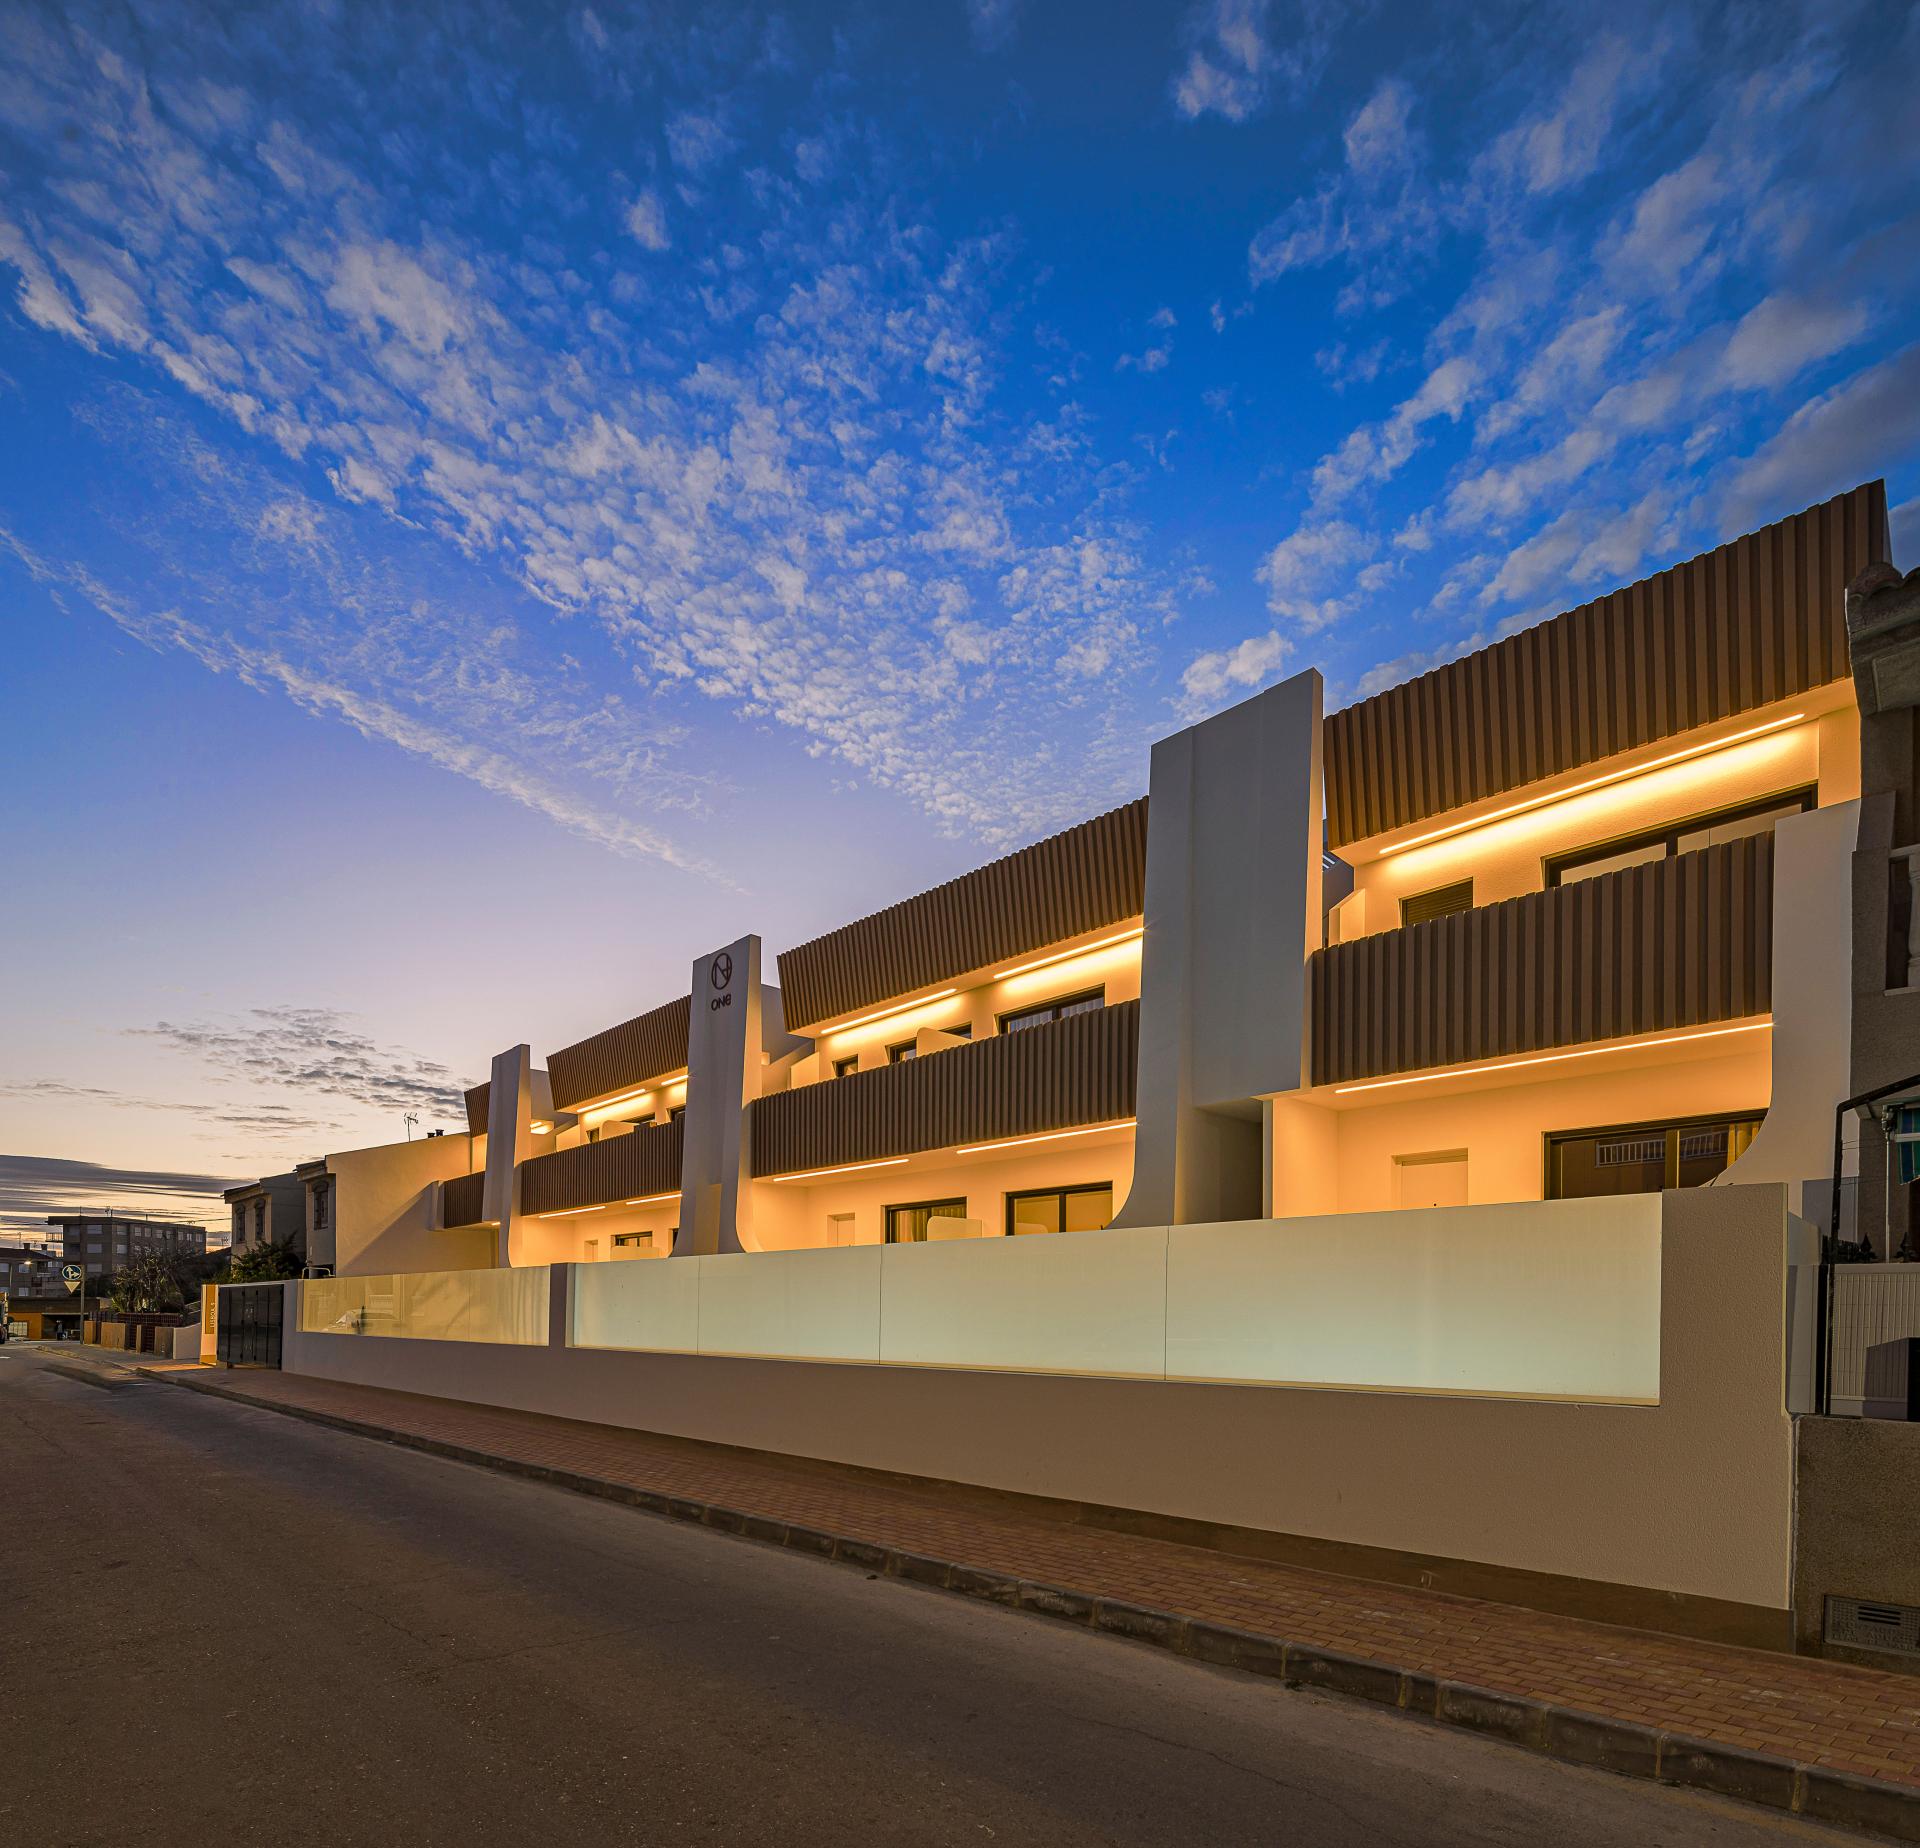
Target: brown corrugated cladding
{"x": 460, "y": 1199}
{"x": 477, "y": 1108}
{"x": 1756, "y": 621}
{"x": 648, "y": 1046}
{"x": 630, "y": 1167}
{"x": 1089, "y": 876}
{"x": 1675, "y": 943}
{"x": 1083, "y": 1069}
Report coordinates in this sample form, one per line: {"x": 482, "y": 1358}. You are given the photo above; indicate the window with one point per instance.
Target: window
{"x": 1439, "y": 903}
{"x": 1086, "y": 1208}
{"x": 845, "y": 1068}
{"x": 898, "y": 1055}
{"x": 675, "y": 1113}
{"x": 624, "y": 1240}
{"x": 320, "y": 1206}
{"x": 907, "y": 1225}
{"x": 1644, "y": 1157}
{"x": 1049, "y": 1011}
{"x": 1678, "y": 837}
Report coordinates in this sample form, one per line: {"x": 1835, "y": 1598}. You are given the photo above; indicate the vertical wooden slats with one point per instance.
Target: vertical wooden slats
{"x": 461, "y": 1199}
{"x": 1080, "y": 1070}
{"x": 648, "y": 1046}
{"x": 1755, "y": 621}
{"x": 1089, "y": 876}
{"x": 630, "y": 1167}
{"x": 477, "y": 1108}
{"x": 1675, "y": 943}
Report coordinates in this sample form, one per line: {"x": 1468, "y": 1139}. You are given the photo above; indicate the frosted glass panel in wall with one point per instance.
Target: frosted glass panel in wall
{"x": 793, "y": 1305}
{"x": 501, "y": 1306}
{"x": 655, "y": 1307}
{"x": 1543, "y": 1299}
{"x": 1078, "y": 1302}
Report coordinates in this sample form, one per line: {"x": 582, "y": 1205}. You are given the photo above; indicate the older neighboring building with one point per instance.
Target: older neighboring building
{"x": 270, "y": 1211}
{"x": 105, "y": 1242}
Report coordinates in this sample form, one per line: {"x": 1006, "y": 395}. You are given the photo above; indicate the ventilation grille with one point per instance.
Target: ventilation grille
{"x": 1863, "y": 1625}
{"x": 1630, "y": 1153}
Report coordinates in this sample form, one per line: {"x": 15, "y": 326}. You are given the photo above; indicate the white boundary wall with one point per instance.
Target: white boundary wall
{"x": 1544, "y": 1300}
{"x": 1692, "y": 1494}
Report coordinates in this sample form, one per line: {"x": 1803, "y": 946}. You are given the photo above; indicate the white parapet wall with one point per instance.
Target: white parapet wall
{"x": 499, "y": 1306}
{"x": 1561, "y": 1393}
{"x": 1540, "y": 1300}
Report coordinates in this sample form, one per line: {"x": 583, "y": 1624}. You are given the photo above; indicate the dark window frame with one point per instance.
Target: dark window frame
{"x": 1058, "y": 1003}
{"x": 1456, "y": 888}
{"x": 1556, "y": 866}
{"x": 1673, "y": 1128}
{"x": 845, "y": 1068}
{"x": 1050, "y": 1193}
{"x": 902, "y": 1051}
{"x": 919, "y": 1206}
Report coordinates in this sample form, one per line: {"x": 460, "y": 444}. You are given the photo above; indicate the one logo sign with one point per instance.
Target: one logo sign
{"x": 70, "y": 1276}
{"x": 721, "y": 973}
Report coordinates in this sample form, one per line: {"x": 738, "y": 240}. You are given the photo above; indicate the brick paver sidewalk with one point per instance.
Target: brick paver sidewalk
{"x": 1857, "y": 1722}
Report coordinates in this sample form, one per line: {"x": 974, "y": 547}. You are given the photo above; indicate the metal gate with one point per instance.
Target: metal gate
{"x": 248, "y": 1330}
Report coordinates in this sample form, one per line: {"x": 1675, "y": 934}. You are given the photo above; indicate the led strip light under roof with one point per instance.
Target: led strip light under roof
{"x": 852, "y": 1167}
{"x": 1596, "y": 782}
{"x": 653, "y": 1199}
{"x": 886, "y": 1013}
{"x": 1554, "y": 1058}
{"x": 1052, "y": 1135}
{"x": 572, "y": 1212}
{"x": 1085, "y": 949}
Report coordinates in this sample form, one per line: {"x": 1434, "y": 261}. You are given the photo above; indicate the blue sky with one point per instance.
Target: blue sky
{"x": 494, "y": 502}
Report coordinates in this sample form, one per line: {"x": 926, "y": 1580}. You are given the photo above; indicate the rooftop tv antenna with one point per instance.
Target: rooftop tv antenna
{"x": 411, "y": 1118}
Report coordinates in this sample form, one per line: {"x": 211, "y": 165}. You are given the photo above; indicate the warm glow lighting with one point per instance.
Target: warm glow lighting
{"x": 886, "y": 1013}
{"x": 1555, "y": 1058}
{"x": 852, "y": 1167}
{"x": 1054, "y": 1135}
{"x": 1593, "y": 782}
{"x": 1085, "y": 949}
{"x": 610, "y": 1103}
{"x": 574, "y": 1212}
{"x": 651, "y": 1200}
{"x": 540, "y": 1126}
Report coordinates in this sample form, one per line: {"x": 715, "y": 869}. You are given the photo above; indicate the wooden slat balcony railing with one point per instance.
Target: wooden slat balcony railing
{"x": 1080, "y": 1070}
{"x": 1675, "y": 943}
{"x": 630, "y": 1167}
{"x": 460, "y": 1199}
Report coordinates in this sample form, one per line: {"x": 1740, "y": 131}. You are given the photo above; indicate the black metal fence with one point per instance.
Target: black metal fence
{"x": 247, "y": 1332}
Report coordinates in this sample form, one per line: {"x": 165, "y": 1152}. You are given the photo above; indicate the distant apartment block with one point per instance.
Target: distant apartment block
{"x": 106, "y": 1242}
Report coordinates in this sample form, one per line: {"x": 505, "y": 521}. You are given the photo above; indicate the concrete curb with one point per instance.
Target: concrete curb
{"x": 1575, "y": 1738}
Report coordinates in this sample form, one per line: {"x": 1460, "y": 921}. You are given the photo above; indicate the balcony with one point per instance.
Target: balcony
{"x": 462, "y": 1200}
{"x": 1676, "y": 943}
{"x": 1073, "y": 1072}
{"x": 636, "y": 1166}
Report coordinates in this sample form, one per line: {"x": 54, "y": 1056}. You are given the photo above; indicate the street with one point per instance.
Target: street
{"x": 230, "y": 1626}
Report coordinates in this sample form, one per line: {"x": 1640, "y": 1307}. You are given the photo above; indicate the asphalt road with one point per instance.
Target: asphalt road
{"x": 228, "y": 1626}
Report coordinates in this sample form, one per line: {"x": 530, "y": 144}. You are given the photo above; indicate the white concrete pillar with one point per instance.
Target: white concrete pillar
{"x": 1234, "y": 836}
{"x": 509, "y": 1143}
{"x": 724, "y": 1044}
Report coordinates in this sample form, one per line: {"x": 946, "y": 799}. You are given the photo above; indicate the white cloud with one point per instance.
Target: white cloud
{"x": 1781, "y": 336}
{"x": 1237, "y": 55}
{"x": 696, "y": 140}
{"x": 1862, "y": 428}
{"x": 647, "y": 221}
{"x": 1209, "y": 678}
{"x": 1556, "y": 147}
